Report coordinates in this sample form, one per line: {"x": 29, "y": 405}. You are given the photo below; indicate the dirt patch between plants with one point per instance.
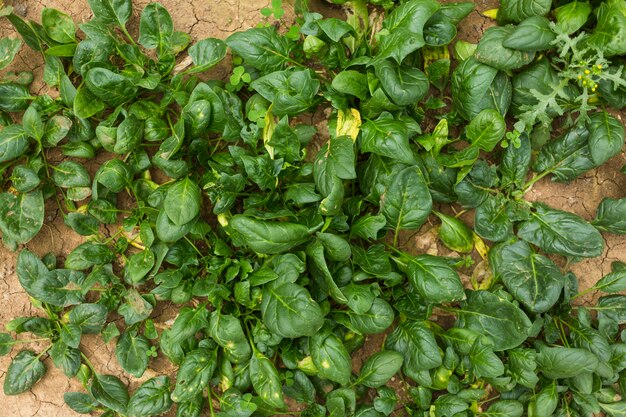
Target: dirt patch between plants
{"x": 201, "y": 19}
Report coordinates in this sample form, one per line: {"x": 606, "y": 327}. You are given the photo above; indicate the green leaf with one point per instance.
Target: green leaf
{"x": 24, "y": 179}
{"x": 291, "y": 92}
{"x": 560, "y": 232}
{"x": 387, "y": 137}
{"x": 152, "y": 398}
{"x": 261, "y": 48}
{"x": 269, "y": 237}
{"x": 138, "y": 266}
{"x": 567, "y": 156}
{"x": 518, "y": 10}
{"x": 109, "y": 391}
{"x": 206, "y": 54}
{"x": 131, "y": 352}
{"x": 485, "y": 363}
{"x": 319, "y": 270}
{"x": 21, "y": 216}
{"x": 561, "y": 362}
{"x": 486, "y": 130}
{"x": 265, "y": 380}
{"x": 27, "y": 30}
{"x": 515, "y": 164}
{"x": 227, "y": 332}
{"x": 182, "y": 201}
{"x": 156, "y": 28}
{"x": 71, "y": 174}
{"x": 606, "y": 137}
{"x": 80, "y": 402}
{"x": 405, "y": 85}
{"x": 351, "y": 82}
{"x": 65, "y": 357}
{"x": 114, "y": 174}
{"x": 289, "y": 311}
{"x": 402, "y": 31}
{"x": 194, "y": 374}
{"x": 109, "y": 12}
{"x": 572, "y": 16}
{"x": 406, "y": 203}
{"x": 86, "y": 104}
{"x": 128, "y": 135}
{"x": 6, "y": 344}
{"x": 504, "y": 323}
{"x": 532, "y": 35}
{"x": 613, "y": 282}
{"x": 90, "y": 317}
{"x": 9, "y": 47}
{"x": 455, "y": 234}
{"x": 368, "y": 226}
{"x": 13, "y": 142}
{"x": 504, "y": 408}
{"x": 24, "y": 371}
{"x": 491, "y": 50}
{"x": 477, "y": 86}
{"x": 331, "y": 357}
{"x": 611, "y": 216}
{"x": 376, "y": 320}
{"x": 58, "y": 26}
{"x": 110, "y": 87}
{"x": 435, "y": 280}
{"x": 379, "y": 368}
{"x": 531, "y": 278}
{"x": 418, "y": 345}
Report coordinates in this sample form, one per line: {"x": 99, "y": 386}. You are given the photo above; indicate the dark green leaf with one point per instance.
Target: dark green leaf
{"x": 606, "y": 137}
{"x": 418, "y": 345}
{"x": 110, "y": 392}
{"x": 531, "y": 278}
{"x": 435, "y": 280}
{"x": 379, "y": 368}
{"x": 289, "y": 311}
{"x": 611, "y": 216}
{"x": 406, "y": 203}
{"x": 152, "y": 398}
{"x": 24, "y": 371}
{"x": 504, "y": 323}
{"x": 557, "y": 231}
{"x": 269, "y": 237}
{"x": 532, "y": 35}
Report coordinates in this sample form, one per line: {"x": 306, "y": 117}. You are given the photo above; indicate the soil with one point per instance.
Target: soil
{"x": 202, "y": 18}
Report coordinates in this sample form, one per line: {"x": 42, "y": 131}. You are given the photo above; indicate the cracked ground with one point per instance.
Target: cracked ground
{"x": 219, "y": 18}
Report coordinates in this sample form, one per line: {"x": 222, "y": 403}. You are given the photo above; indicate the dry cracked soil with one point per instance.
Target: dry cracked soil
{"x": 219, "y": 18}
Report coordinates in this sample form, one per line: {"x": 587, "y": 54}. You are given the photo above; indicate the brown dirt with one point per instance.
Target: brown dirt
{"x": 203, "y": 19}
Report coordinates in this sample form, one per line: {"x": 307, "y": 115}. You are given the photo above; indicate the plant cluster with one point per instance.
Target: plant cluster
{"x": 282, "y": 258}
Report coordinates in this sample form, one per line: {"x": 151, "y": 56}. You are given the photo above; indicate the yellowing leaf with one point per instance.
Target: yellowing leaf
{"x": 481, "y": 246}
{"x": 268, "y": 131}
{"x": 491, "y": 13}
{"x": 348, "y": 123}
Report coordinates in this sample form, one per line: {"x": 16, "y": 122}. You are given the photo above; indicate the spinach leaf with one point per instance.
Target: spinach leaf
{"x": 498, "y": 319}
{"x": 557, "y": 231}
{"x": 289, "y": 311}
{"x": 531, "y": 278}
{"x": 434, "y": 280}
